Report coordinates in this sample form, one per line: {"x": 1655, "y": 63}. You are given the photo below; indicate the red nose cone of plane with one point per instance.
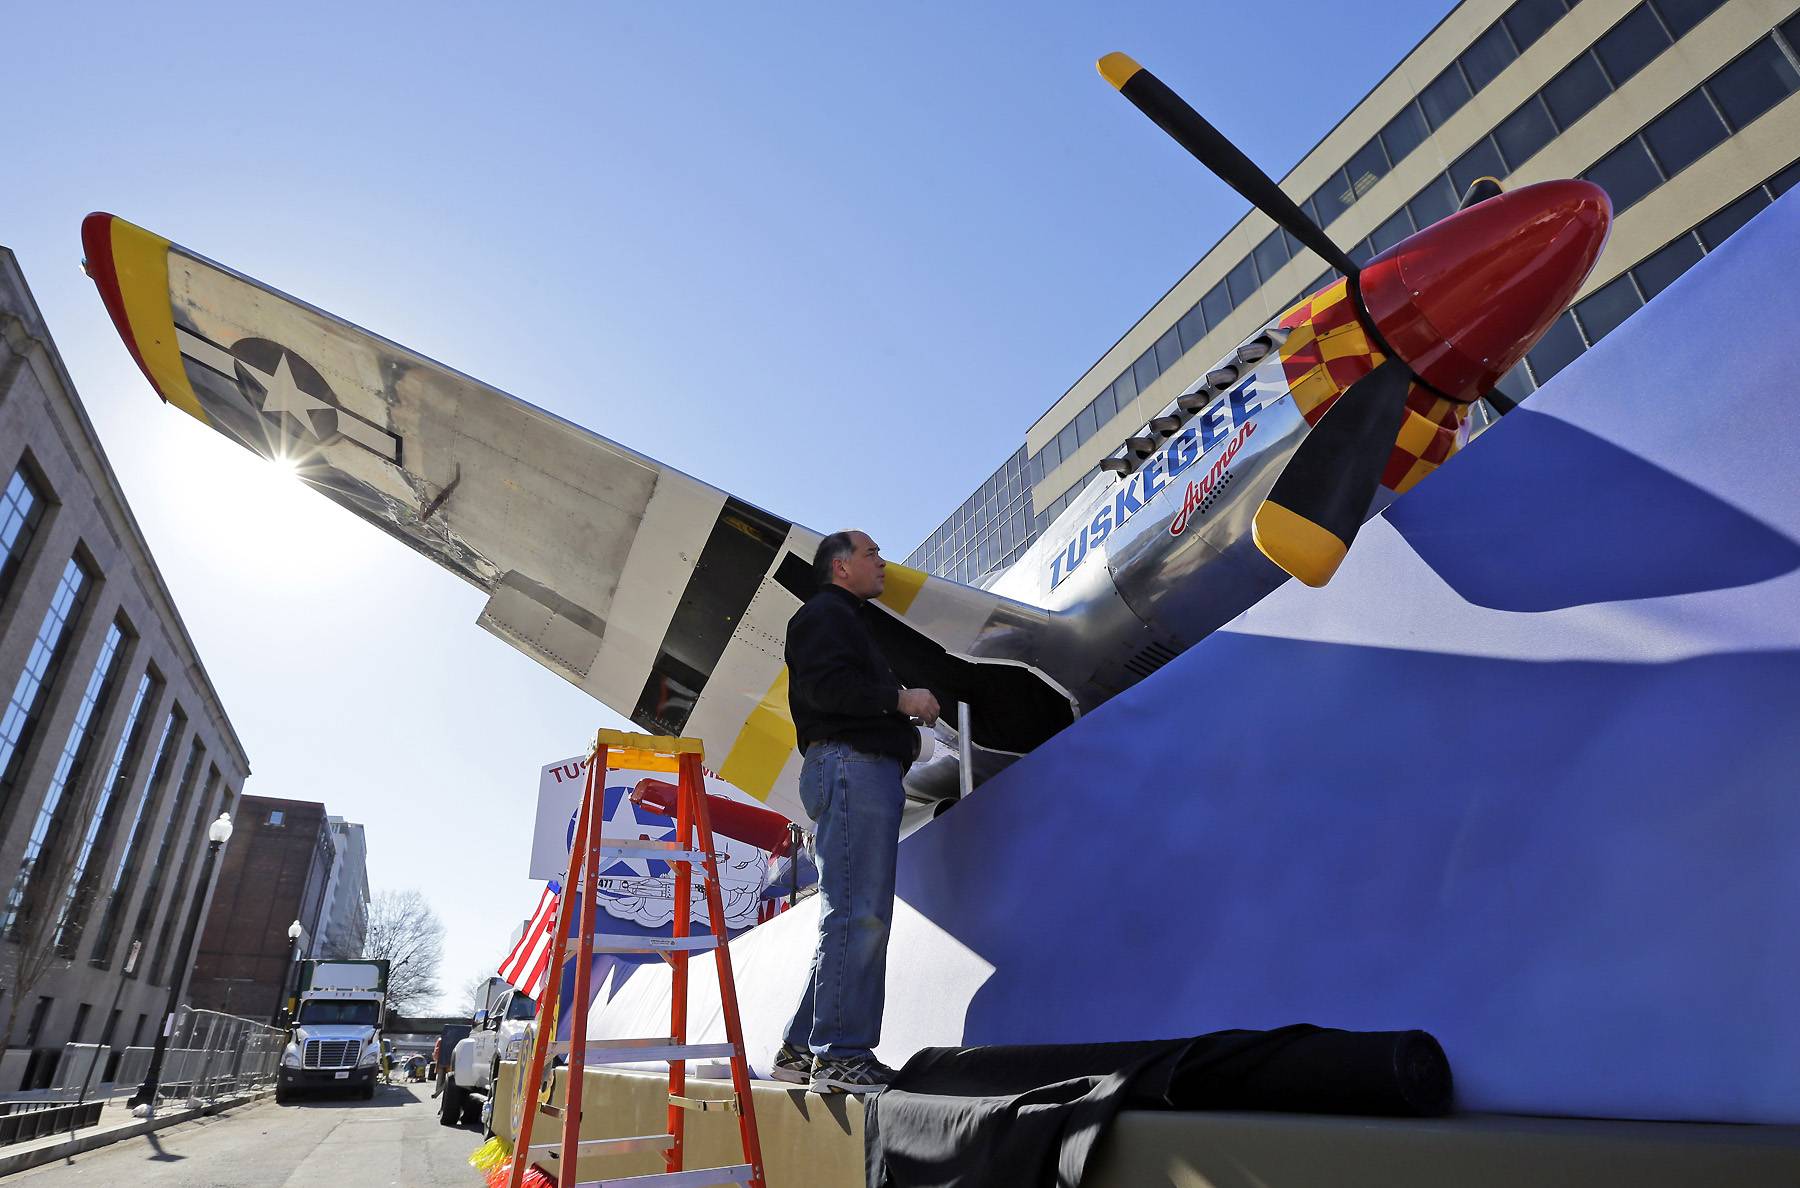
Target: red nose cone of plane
{"x": 1464, "y": 299}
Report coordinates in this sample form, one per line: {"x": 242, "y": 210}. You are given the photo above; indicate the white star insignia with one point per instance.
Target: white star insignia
{"x": 624, "y": 825}
{"x": 282, "y": 395}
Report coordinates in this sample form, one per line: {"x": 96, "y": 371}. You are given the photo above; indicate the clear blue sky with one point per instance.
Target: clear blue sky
{"x": 833, "y": 258}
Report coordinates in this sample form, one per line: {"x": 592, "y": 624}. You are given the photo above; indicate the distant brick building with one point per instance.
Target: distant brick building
{"x": 277, "y": 869}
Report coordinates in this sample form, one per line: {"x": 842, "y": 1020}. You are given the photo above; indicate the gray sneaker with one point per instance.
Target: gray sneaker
{"x": 863, "y": 1074}
{"x": 793, "y": 1065}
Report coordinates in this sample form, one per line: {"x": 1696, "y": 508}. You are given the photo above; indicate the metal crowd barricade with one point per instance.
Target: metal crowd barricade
{"x": 211, "y": 1055}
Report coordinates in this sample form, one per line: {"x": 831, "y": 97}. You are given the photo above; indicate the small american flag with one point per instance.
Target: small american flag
{"x": 528, "y": 965}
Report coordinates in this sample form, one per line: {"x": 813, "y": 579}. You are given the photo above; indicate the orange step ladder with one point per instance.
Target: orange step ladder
{"x": 693, "y": 844}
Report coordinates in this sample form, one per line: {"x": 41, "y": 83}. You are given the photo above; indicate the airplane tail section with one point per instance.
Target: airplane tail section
{"x": 664, "y": 598}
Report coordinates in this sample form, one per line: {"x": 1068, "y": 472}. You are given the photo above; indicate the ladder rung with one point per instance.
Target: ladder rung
{"x": 611, "y": 1146}
{"x": 705, "y": 1105}
{"x": 662, "y": 851}
{"x": 703, "y": 942}
{"x": 626, "y": 1051}
{"x": 700, "y": 1177}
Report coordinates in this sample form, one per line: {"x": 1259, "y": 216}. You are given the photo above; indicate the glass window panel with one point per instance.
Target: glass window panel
{"x": 1528, "y": 20}
{"x": 1192, "y": 328}
{"x": 1488, "y": 55}
{"x": 1066, "y": 441}
{"x": 1168, "y": 349}
{"x": 1331, "y": 199}
{"x": 1445, "y": 96}
{"x": 1758, "y": 80}
{"x": 1404, "y": 133}
{"x": 1516, "y": 384}
{"x": 22, "y": 712}
{"x": 1145, "y": 369}
{"x": 1724, "y": 225}
{"x": 1105, "y": 405}
{"x": 1393, "y": 231}
{"x": 1559, "y": 347}
{"x": 1682, "y": 135}
{"x": 1367, "y": 167}
{"x": 1626, "y": 174}
{"x": 1682, "y": 15}
{"x": 1521, "y": 134}
{"x": 1361, "y": 252}
{"x": 1084, "y": 423}
{"x": 1216, "y": 305}
{"x": 1052, "y": 456}
{"x": 1433, "y": 202}
{"x": 1241, "y": 281}
{"x": 1790, "y": 29}
{"x": 1294, "y": 246}
{"x": 1270, "y": 255}
{"x": 1125, "y": 389}
{"x": 1606, "y": 307}
{"x": 1630, "y": 45}
{"x": 1481, "y": 161}
{"x": 1574, "y": 91}
{"x": 1784, "y": 181}
{"x": 21, "y": 510}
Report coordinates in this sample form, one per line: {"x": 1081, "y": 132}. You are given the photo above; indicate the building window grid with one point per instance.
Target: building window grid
{"x": 185, "y": 894}
{"x": 190, "y": 777}
{"x": 125, "y": 877}
{"x": 96, "y": 695}
{"x": 113, "y": 788}
{"x": 21, "y": 511}
{"x": 22, "y": 711}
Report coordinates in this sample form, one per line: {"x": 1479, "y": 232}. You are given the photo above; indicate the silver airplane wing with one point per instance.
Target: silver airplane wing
{"x": 664, "y": 598}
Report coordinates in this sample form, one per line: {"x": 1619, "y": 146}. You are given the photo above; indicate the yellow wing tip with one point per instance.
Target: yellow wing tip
{"x": 1117, "y": 69}
{"x": 1298, "y": 545}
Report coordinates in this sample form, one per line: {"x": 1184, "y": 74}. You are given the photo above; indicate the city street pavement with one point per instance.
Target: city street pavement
{"x": 310, "y": 1143}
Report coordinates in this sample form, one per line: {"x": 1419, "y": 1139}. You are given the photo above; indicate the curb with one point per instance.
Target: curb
{"x": 105, "y": 1136}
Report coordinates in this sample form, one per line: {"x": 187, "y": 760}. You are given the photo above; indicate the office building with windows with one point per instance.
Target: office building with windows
{"x": 115, "y": 752}
{"x": 1684, "y": 111}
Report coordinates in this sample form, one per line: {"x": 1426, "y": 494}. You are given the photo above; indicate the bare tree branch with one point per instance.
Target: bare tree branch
{"x": 404, "y": 931}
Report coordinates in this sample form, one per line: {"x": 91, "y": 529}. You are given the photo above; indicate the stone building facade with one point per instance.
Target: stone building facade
{"x": 115, "y": 752}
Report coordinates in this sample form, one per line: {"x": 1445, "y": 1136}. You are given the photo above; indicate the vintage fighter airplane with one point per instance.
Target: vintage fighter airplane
{"x": 667, "y": 599}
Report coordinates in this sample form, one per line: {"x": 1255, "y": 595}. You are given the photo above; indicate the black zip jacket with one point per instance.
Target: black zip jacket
{"x": 839, "y": 685}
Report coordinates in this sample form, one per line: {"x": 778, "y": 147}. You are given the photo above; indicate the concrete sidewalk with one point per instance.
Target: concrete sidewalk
{"x": 116, "y": 1123}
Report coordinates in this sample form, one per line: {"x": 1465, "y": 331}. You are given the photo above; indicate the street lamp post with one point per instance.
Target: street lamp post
{"x": 143, "y": 1102}
{"x": 287, "y": 971}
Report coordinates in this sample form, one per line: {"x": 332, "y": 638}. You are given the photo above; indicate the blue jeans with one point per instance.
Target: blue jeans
{"x": 855, "y": 798}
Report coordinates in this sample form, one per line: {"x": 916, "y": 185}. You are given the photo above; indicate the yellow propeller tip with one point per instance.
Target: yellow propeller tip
{"x": 1117, "y": 69}
{"x": 1298, "y": 545}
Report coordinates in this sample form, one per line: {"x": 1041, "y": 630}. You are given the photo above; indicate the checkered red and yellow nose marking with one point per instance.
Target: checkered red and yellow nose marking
{"x": 1327, "y": 349}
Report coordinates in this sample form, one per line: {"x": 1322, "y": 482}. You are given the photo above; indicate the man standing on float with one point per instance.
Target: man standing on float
{"x": 853, "y": 725}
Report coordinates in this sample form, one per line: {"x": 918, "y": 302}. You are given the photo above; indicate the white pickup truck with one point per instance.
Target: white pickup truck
{"x": 502, "y": 1031}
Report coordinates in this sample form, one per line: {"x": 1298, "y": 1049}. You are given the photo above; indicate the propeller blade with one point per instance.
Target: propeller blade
{"x": 1312, "y": 514}
{"x": 1480, "y": 190}
{"x": 1172, "y": 114}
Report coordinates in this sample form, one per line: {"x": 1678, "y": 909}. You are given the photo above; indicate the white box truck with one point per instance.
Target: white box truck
{"x": 336, "y": 1039}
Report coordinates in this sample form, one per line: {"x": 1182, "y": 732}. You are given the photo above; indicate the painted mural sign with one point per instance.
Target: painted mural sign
{"x": 640, "y": 892}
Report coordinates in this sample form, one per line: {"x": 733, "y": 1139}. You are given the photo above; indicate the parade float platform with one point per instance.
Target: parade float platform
{"x": 1524, "y": 775}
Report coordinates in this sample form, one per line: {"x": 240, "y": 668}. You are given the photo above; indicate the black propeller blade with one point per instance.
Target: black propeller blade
{"x": 1172, "y": 114}
{"x": 1312, "y": 514}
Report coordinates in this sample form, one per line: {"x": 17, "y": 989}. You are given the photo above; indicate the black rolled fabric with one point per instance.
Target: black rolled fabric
{"x": 1031, "y": 1115}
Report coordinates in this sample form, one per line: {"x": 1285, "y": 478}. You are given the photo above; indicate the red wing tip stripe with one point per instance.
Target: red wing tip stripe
{"x": 97, "y": 243}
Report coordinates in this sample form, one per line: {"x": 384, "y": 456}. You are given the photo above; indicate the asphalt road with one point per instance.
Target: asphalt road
{"x": 311, "y": 1143}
